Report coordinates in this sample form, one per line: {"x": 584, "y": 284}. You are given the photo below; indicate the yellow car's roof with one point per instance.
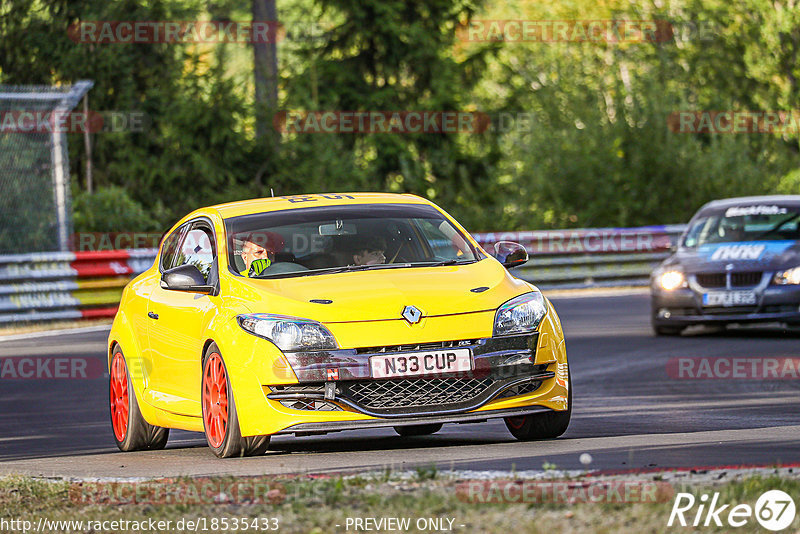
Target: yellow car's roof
{"x": 259, "y": 205}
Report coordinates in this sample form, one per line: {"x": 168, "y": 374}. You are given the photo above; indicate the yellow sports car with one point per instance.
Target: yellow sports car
{"x": 318, "y": 313}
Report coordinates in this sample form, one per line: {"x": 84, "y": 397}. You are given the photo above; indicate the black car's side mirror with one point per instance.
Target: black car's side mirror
{"x": 185, "y": 278}
{"x": 510, "y": 254}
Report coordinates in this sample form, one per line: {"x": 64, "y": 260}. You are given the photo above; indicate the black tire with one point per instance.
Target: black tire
{"x": 136, "y": 434}
{"x": 418, "y": 430}
{"x": 233, "y": 444}
{"x": 660, "y": 330}
{"x": 542, "y": 425}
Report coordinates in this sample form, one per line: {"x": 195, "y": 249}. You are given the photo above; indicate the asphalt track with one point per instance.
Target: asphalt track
{"x": 628, "y": 412}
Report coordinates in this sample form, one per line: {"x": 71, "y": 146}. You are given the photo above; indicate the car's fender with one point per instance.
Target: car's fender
{"x": 124, "y": 334}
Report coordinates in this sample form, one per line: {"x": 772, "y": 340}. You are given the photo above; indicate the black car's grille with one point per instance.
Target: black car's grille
{"x": 711, "y": 279}
{"x": 748, "y": 279}
{"x": 411, "y": 393}
{"x": 733, "y": 310}
{"x": 783, "y": 308}
{"x": 740, "y": 279}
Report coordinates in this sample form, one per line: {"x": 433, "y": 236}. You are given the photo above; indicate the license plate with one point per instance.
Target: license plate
{"x": 433, "y": 362}
{"x": 729, "y": 298}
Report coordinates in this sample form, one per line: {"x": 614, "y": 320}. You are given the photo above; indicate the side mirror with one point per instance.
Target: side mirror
{"x": 185, "y": 278}
{"x": 510, "y": 254}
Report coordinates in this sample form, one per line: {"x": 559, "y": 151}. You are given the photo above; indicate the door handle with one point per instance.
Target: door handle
{"x": 152, "y": 315}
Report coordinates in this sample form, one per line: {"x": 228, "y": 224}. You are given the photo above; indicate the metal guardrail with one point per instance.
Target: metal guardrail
{"x": 66, "y": 285}
{"x": 85, "y": 285}
{"x": 585, "y": 258}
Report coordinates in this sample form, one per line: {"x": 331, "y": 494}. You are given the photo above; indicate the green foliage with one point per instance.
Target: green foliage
{"x": 599, "y": 152}
{"x": 110, "y": 210}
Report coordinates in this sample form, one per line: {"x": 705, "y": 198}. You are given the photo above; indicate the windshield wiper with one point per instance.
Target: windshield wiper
{"x": 349, "y": 268}
{"x": 442, "y": 262}
{"x": 352, "y": 268}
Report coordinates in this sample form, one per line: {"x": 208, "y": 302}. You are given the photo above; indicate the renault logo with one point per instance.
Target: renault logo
{"x": 412, "y": 314}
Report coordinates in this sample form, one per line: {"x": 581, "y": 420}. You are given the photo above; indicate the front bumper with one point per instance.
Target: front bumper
{"x": 463, "y": 418}
{"x": 684, "y": 307}
{"x": 511, "y": 376}
{"x": 501, "y": 367}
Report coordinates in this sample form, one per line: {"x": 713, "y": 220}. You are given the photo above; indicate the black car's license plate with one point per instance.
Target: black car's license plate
{"x": 729, "y": 298}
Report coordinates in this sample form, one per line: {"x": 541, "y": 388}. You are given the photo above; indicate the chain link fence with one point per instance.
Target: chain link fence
{"x": 35, "y": 212}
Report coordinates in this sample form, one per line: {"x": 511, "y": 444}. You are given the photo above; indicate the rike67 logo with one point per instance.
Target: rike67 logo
{"x": 774, "y": 510}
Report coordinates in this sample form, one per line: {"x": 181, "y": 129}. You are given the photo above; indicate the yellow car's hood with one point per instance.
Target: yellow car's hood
{"x": 382, "y": 294}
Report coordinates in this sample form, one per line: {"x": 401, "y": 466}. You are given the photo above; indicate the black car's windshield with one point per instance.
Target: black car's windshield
{"x": 745, "y": 223}
{"x": 324, "y": 240}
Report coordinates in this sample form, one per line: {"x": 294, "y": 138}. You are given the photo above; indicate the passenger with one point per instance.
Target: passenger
{"x": 370, "y": 252}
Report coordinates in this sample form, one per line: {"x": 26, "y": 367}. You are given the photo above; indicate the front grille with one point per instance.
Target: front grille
{"x": 680, "y": 312}
{"x": 711, "y": 279}
{"x": 733, "y": 310}
{"x": 741, "y": 279}
{"x": 299, "y": 388}
{"x": 746, "y": 279}
{"x": 782, "y": 308}
{"x": 310, "y": 404}
{"x": 417, "y": 347}
{"x": 411, "y": 393}
{"x": 521, "y": 389}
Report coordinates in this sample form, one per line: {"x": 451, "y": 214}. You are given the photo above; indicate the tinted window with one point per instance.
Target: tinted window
{"x": 197, "y": 248}
{"x": 169, "y": 248}
{"x": 310, "y": 241}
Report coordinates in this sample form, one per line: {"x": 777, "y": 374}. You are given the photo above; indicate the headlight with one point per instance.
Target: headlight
{"x": 520, "y": 315}
{"x": 791, "y": 276}
{"x": 671, "y": 280}
{"x": 288, "y": 333}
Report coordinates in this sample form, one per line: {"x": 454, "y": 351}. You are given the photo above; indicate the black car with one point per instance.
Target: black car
{"x": 737, "y": 262}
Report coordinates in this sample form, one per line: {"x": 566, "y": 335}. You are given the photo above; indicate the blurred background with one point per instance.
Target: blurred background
{"x": 597, "y": 152}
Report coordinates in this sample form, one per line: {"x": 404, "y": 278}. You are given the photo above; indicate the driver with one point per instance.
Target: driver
{"x": 734, "y": 231}
{"x": 258, "y": 252}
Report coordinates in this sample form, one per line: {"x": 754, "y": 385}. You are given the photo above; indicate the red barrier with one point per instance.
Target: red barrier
{"x": 101, "y": 263}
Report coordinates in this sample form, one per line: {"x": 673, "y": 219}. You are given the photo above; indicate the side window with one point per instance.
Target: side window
{"x": 170, "y": 248}
{"x": 443, "y": 240}
{"x": 197, "y": 248}
{"x": 693, "y": 235}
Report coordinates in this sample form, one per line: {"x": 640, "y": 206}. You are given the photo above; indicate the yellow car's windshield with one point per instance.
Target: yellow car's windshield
{"x": 322, "y": 240}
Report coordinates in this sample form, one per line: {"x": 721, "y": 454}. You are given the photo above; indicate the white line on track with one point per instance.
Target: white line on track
{"x": 61, "y": 332}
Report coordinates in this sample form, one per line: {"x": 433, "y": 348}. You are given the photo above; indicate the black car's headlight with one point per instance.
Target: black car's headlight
{"x": 288, "y": 333}
{"x": 787, "y": 277}
{"x": 669, "y": 278}
{"x": 520, "y": 315}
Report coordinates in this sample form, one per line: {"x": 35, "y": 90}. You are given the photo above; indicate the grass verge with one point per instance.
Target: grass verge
{"x": 331, "y": 504}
